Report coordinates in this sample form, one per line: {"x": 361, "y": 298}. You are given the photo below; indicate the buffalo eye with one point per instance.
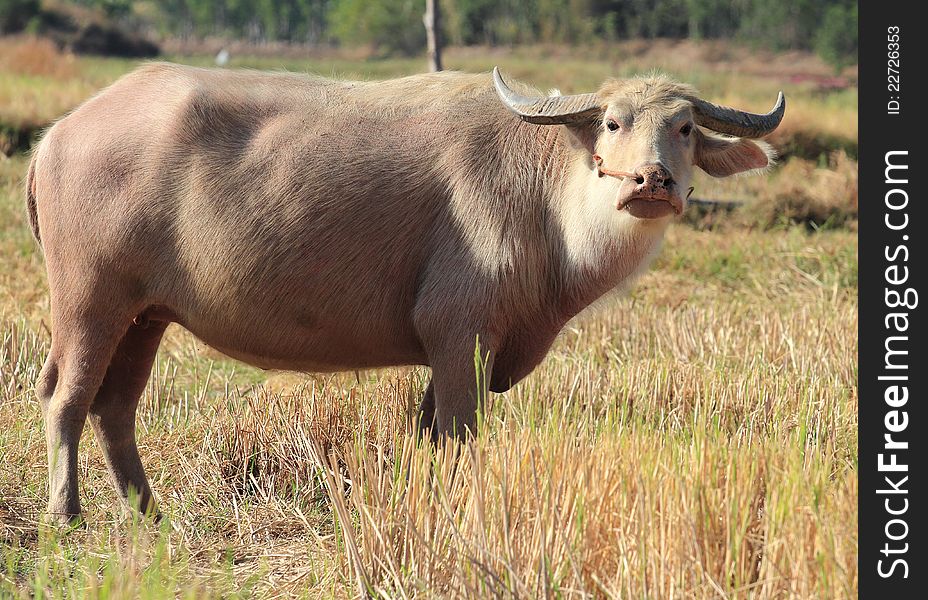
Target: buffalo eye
{"x": 611, "y": 125}
{"x": 686, "y": 129}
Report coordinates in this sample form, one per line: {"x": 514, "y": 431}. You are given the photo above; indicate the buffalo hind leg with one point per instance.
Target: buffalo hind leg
{"x": 83, "y": 342}
{"x": 112, "y": 413}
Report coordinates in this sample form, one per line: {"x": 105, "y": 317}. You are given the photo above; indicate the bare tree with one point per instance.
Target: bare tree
{"x": 431, "y": 20}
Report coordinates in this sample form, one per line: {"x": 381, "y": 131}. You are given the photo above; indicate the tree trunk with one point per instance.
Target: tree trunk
{"x": 431, "y": 21}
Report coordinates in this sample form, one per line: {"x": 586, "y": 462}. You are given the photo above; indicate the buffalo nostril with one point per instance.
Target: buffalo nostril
{"x": 639, "y": 179}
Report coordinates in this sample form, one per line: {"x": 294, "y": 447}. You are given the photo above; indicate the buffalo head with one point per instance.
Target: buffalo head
{"x": 649, "y": 132}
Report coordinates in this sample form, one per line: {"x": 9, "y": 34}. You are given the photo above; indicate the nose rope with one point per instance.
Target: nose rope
{"x": 602, "y": 171}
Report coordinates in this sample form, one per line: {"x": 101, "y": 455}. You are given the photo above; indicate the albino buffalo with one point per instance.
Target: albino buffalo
{"x": 296, "y": 222}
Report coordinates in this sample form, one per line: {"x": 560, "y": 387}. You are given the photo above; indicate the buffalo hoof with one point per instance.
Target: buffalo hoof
{"x": 63, "y": 522}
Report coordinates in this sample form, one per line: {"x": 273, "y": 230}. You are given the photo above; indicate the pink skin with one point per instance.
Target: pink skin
{"x": 651, "y": 195}
{"x": 648, "y": 208}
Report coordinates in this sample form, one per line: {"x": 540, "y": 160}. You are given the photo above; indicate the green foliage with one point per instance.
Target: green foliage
{"x": 466, "y": 21}
{"x": 781, "y": 25}
{"x": 390, "y": 26}
{"x": 259, "y": 20}
{"x": 836, "y": 39}
{"x": 16, "y": 14}
{"x": 653, "y": 19}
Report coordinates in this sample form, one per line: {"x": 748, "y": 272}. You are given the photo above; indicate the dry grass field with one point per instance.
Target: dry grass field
{"x": 693, "y": 438}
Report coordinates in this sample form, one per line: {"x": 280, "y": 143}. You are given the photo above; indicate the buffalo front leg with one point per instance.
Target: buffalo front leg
{"x": 113, "y": 411}
{"x": 460, "y": 387}
{"x": 82, "y": 344}
{"x": 427, "y": 429}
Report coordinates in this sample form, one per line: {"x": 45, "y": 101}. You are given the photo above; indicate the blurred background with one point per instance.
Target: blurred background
{"x": 391, "y": 27}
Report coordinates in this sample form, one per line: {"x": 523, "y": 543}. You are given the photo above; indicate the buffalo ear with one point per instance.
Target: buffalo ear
{"x": 721, "y": 157}
{"x": 583, "y": 135}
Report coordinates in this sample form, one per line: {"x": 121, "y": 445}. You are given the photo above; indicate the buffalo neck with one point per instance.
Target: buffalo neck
{"x": 593, "y": 246}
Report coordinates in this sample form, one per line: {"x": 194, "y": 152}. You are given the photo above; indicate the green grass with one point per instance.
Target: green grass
{"x": 694, "y": 438}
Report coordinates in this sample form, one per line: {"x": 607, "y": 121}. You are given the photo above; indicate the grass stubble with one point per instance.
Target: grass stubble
{"x": 695, "y": 438}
